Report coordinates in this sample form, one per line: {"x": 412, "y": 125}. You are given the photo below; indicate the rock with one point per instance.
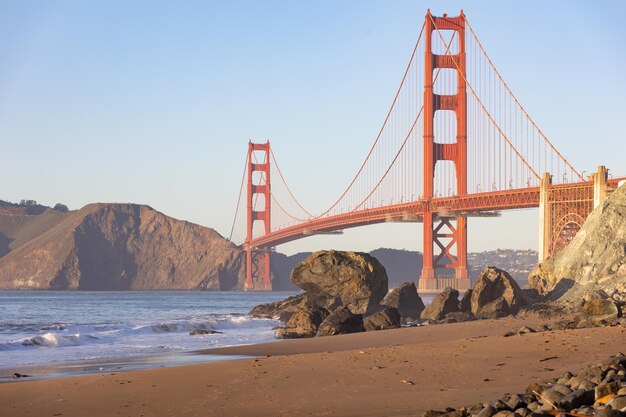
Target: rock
{"x": 499, "y": 405}
{"x": 504, "y": 413}
{"x": 594, "y": 259}
{"x": 618, "y": 403}
{"x": 593, "y": 374}
{"x": 281, "y": 310}
{"x": 341, "y": 321}
{"x": 493, "y": 285}
{"x": 551, "y": 395}
{"x": 406, "y": 299}
{"x": 460, "y": 316}
{"x": 445, "y": 302}
{"x": 562, "y": 388}
{"x": 195, "y": 332}
{"x": 433, "y": 413}
{"x": 303, "y": 323}
{"x": 494, "y": 309}
{"x": 523, "y": 412}
{"x": 602, "y": 309}
{"x": 333, "y": 279}
{"x": 577, "y": 398}
{"x": 488, "y": 411}
{"x": 607, "y": 388}
{"x": 388, "y": 318}
{"x": 456, "y": 413}
{"x": 610, "y": 413}
{"x": 466, "y": 301}
{"x": 516, "y": 401}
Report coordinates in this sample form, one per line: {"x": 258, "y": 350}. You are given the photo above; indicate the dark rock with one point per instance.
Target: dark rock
{"x": 445, "y": 302}
{"x": 577, "y": 398}
{"x": 195, "y": 332}
{"x": 388, "y": 318}
{"x": 607, "y": 388}
{"x": 493, "y": 285}
{"x": 456, "y": 413}
{"x": 406, "y": 299}
{"x": 504, "y": 413}
{"x": 607, "y": 412}
{"x": 516, "y": 401}
{"x": 303, "y": 323}
{"x": 523, "y": 412}
{"x": 500, "y": 405}
{"x": 281, "y": 310}
{"x": 466, "y": 302}
{"x": 333, "y": 279}
{"x": 599, "y": 309}
{"x": 18, "y": 375}
{"x": 341, "y": 321}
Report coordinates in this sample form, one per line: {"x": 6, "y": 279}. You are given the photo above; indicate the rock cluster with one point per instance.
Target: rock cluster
{"x": 495, "y": 294}
{"x": 342, "y": 294}
{"x": 598, "y": 390}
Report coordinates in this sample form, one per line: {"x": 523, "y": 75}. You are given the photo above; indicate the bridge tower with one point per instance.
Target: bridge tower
{"x": 258, "y": 273}
{"x": 447, "y": 234}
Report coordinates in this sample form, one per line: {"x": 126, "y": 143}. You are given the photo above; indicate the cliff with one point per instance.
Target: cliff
{"x": 594, "y": 259}
{"x": 114, "y": 247}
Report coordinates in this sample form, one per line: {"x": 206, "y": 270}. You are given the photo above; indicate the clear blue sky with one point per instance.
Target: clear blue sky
{"x": 153, "y": 102}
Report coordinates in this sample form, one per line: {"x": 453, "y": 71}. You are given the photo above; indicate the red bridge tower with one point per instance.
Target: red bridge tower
{"x": 258, "y": 272}
{"x": 446, "y": 233}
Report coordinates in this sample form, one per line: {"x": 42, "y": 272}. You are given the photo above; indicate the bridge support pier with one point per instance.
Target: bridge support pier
{"x": 561, "y": 215}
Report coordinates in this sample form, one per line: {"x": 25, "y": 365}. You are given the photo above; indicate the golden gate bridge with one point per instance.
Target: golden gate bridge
{"x": 455, "y": 143}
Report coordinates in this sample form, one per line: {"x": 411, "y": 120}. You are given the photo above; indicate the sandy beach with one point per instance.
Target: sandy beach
{"x": 399, "y": 372}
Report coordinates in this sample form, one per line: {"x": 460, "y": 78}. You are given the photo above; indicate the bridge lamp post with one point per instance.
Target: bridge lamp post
{"x": 478, "y": 190}
{"x": 510, "y": 184}
{"x": 565, "y": 177}
{"x": 493, "y": 186}
{"x": 582, "y": 174}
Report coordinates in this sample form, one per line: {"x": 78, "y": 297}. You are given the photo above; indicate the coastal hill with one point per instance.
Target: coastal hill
{"x": 113, "y": 247}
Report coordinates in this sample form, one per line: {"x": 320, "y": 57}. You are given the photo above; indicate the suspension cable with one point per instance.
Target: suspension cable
{"x": 243, "y": 177}
{"x": 382, "y": 127}
{"x": 287, "y": 185}
{"x": 484, "y": 108}
{"x": 519, "y": 104}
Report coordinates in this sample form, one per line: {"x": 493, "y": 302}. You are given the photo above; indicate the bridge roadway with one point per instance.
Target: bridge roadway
{"x": 466, "y": 205}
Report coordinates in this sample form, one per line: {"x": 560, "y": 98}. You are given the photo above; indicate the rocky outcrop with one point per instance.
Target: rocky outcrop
{"x": 495, "y": 294}
{"x": 387, "y": 318}
{"x": 281, "y": 310}
{"x": 334, "y": 279}
{"x": 445, "y": 302}
{"x": 406, "y": 300}
{"x": 596, "y": 257}
{"x": 341, "y": 321}
{"x": 303, "y": 323}
{"x": 115, "y": 247}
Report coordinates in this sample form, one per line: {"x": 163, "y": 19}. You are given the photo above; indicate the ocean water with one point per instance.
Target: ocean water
{"x": 48, "y": 328}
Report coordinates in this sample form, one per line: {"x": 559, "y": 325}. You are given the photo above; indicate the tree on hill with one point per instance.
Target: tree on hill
{"x": 61, "y": 207}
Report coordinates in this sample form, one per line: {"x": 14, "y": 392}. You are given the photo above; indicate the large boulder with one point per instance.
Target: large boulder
{"x": 387, "y": 318}
{"x": 406, "y": 300}
{"x": 595, "y": 258}
{"x": 602, "y": 309}
{"x": 495, "y": 294}
{"x": 281, "y": 310}
{"x": 445, "y": 302}
{"x": 303, "y": 323}
{"x": 341, "y": 321}
{"x": 333, "y": 279}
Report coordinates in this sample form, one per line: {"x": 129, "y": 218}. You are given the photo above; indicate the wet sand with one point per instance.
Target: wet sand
{"x": 387, "y": 373}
